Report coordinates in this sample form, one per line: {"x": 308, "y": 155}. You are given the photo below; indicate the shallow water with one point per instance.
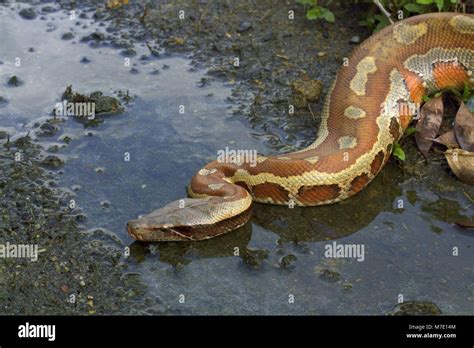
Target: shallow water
{"x": 281, "y": 252}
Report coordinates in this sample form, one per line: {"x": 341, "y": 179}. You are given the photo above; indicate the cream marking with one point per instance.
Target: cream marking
{"x": 398, "y": 92}
{"x": 312, "y": 159}
{"x": 463, "y": 24}
{"x": 365, "y": 67}
{"x": 347, "y": 142}
{"x": 323, "y": 130}
{"x": 407, "y": 34}
{"x": 261, "y": 159}
{"x": 354, "y": 113}
{"x": 215, "y": 187}
{"x": 204, "y": 172}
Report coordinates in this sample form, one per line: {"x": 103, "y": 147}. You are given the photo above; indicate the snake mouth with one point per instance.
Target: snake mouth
{"x": 142, "y": 231}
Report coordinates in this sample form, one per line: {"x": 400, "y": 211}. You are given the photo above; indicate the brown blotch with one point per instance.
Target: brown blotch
{"x": 270, "y": 190}
{"x": 359, "y": 182}
{"x": 377, "y": 163}
{"x": 244, "y": 185}
{"x": 405, "y": 114}
{"x": 319, "y": 193}
{"x": 394, "y": 128}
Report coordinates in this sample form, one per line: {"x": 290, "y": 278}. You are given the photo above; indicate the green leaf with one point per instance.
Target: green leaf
{"x": 424, "y": 2}
{"x": 383, "y": 22}
{"x": 314, "y": 13}
{"x": 380, "y": 18}
{"x": 415, "y": 8}
{"x": 466, "y": 93}
{"x": 439, "y": 4}
{"x": 327, "y": 15}
{"x": 398, "y": 152}
{"x": 409, "y": 131}
{"x": 307, "y": 2}
{"x": 426, "y": 98}
{"x": 456, "y": 93}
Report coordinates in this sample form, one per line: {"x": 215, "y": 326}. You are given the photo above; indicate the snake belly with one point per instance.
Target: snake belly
{"x": 367, "y": 109}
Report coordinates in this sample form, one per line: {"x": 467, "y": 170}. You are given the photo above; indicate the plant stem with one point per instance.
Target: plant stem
{"x": 384, "y": 11}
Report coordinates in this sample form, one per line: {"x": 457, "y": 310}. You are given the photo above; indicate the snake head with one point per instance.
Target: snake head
{"x": 176, "y": 221}
{"x": 190, "y": 219}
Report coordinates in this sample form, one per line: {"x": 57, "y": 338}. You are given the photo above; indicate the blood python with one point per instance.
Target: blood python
{"x": 367, "y": 109}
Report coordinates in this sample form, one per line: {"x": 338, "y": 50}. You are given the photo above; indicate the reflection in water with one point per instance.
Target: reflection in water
{"x": 181, "y": 253}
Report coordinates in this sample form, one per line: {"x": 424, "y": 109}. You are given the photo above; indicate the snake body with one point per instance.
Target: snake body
{"x": 367, "y": 109}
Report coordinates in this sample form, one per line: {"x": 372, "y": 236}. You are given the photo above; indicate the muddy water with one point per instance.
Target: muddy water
{"x": 276, "y": 264}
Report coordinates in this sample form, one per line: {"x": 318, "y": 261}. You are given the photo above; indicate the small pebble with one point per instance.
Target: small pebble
{"x": 28, "y": 13}
{"x": 355, "y": 39}
{"x": 14, "y": 81}
{"x": 67, "y": 36}
{"x": 244, "y": 26}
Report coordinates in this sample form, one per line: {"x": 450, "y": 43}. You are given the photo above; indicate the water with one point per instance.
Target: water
{"x": 408, "y": 251}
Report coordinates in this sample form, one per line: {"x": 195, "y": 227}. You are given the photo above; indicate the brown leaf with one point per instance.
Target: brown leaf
{"x": 462, "y": 164}
{"x": 464, "y": 128}
{"x": 427, "y": 126}
{"x": 448, "y": 139}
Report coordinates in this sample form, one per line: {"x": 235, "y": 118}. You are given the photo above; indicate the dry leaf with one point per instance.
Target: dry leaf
{"x": 462, "y": 164}
{"x": 427, "y": 126}
{"x": 448, "y": 139}
{"x": 464, "y": 128}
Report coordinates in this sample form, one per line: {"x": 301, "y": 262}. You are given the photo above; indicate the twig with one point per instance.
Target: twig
{"x": 384, "y": 11}
{"x": 468, "y": 197}
{"x": 203, "y": 14}
{"x": 145, "y": 13}
{"x": 152, "y": 51}
{"x": 312, "y": 113}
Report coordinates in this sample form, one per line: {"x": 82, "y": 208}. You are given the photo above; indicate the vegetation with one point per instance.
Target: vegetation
{"x": 375, "y": 20}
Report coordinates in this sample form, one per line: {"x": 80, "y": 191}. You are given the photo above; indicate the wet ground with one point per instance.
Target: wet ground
{"x": 129, "y": 163}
